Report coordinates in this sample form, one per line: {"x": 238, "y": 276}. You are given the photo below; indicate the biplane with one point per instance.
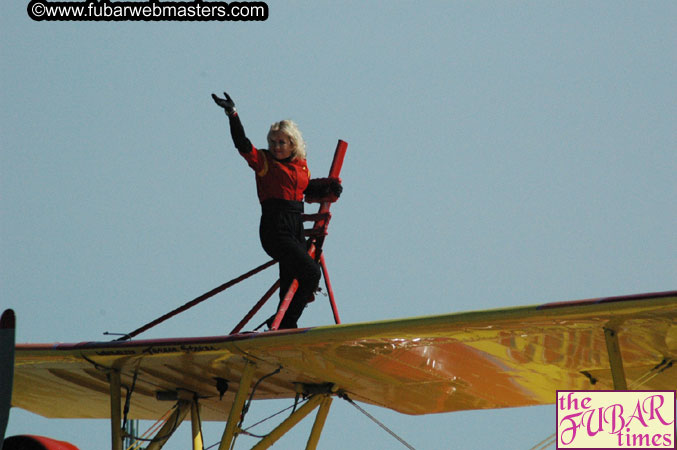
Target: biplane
{"x": 489, "y": 359}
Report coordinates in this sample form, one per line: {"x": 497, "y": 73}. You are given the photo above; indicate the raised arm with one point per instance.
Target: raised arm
{"x": 242, "y": 143}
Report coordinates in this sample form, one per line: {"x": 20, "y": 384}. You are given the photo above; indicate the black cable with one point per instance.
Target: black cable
{"x": 128, "y": 397}
{"x": 256, "y": 385}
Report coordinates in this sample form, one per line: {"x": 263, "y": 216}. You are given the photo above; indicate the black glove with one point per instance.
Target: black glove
{"x": 323, "y": 189}
{"x": 226, "y": 103}
{"x": 335, "y": 188}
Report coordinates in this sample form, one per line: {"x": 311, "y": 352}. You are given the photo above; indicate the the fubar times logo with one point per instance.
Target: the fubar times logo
{"x": 616, "y": 419}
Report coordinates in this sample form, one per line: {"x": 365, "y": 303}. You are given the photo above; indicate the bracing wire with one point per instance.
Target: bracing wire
{"x": 377, "y": 422}
{"x": 246, "y": 430}
{"x": 162, "y": 421}
{"x": 651, "y": 374}
{"x": 138, "y": 441}
{"x": 544, "y": 443}
{"x": 272, "y": 415}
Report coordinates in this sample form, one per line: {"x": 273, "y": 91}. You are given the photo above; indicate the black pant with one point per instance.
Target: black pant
{"x": 281, "y": 233}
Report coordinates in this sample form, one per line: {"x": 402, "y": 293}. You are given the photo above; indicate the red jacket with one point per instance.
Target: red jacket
{"x": 284, "y": 180}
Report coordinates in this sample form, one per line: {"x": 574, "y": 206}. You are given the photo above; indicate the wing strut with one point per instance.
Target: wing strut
{"x": 162, "y": 436}
{"x": 318, "y": 425}
{"x": 196, "y": 425}
{"x": 238, "y": 404}
{"x": 115, "y": 410}
{"x": 308, "y": 407}
{"x": 615, "y": 359}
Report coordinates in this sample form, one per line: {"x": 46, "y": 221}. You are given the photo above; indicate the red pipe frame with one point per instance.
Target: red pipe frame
{"x": 316, "y": 248}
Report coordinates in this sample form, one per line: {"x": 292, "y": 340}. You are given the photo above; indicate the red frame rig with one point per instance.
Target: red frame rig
{"x": 317, "y": 235}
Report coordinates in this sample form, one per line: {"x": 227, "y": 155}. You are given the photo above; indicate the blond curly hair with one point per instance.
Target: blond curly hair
{"x": 290, "y": 128}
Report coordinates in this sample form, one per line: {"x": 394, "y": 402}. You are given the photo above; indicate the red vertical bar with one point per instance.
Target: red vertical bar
{"x": 330, "y": 291}
{"x": 339, "y": 155}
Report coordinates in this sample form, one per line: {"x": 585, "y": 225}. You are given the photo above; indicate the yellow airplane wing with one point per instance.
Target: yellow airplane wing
{"x": 475, "y": 360}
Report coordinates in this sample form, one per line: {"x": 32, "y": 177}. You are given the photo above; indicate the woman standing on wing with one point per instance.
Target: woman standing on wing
{"x": 282, "y": 178}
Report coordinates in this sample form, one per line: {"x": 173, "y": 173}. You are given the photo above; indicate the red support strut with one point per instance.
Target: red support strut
{"x": 269, "y": 293}
{"x": 330, "y": 291}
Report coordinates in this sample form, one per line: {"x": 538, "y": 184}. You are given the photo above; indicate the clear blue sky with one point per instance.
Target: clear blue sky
{"x": 500, "y": 154}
